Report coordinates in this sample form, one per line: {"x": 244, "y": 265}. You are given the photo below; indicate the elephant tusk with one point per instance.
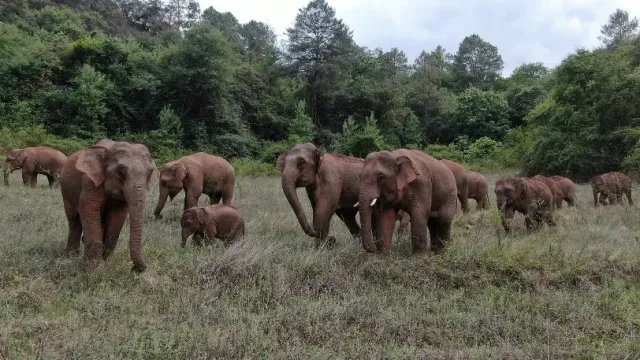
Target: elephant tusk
{"x": 356, "y": 205}
{"x": 374, "y": 201}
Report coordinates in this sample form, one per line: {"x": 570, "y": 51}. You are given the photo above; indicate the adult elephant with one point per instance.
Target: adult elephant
{"x": 567, "y": 187}
{"x": 100, "y": 187}
{"x": 331, "y": 181}
{"x": 554, "y": 187}
{"x": 411, "y": 181}
{"x": 610, "y": 187}
{"x": 470, "y": 185}
{"x": 33, "y": 161}
{"x": 197, "y": 174}
{"x": 529, "y": 196}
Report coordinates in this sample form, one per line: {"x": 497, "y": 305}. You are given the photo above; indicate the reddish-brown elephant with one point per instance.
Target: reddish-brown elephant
{"x": 531, "y": 197}
{"x": 610, "y": 187}
{"x": 554, "y": 187}
{"x": 212, "y": 222}
{"x": 411, "y": 181}
{"x": 33, "y": 161}
{"x": 567, "y": 187}
{"x": 100, "y": 187}
{"x": 197, "y": 174}
{"x": 470, "y": 185}
{"x": 331, "y": 181}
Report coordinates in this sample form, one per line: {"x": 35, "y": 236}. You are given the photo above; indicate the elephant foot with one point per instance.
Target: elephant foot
{"x": 420, "y": 255}
{"x": 138, "y": 268}
{"x": 330, "y": 243}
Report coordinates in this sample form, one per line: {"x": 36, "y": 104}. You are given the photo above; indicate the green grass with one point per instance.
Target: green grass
{"x": 567, "y": 292}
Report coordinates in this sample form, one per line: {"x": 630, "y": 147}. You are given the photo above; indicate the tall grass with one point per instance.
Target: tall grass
{"x": 567, "y": 292}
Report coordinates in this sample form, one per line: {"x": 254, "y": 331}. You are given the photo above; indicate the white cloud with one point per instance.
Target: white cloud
{"x": 523, "y": 31}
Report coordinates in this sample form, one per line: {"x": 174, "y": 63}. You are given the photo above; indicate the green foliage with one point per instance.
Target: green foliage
{"x": 252, "y": 167}
{"x": 477, "y": 63}
{"x": 483, "y": 148}
{"x": 360, "y": 140}
{"x": 481, "y": 113}
{"x": 38, "y": 136}
{"x": 270, "y": 151}
{"x": 450, "y": 151}
{"x": 631, "y": 162}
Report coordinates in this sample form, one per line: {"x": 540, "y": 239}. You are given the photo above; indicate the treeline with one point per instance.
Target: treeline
{"x": 178, "y": 79}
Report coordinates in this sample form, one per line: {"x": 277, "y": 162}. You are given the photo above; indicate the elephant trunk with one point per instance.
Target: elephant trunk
{"x": 289, "y": 188}
{"x": 136, "y": 196}
{"x": 164, "y": 193}
{"x": 366, "y": 207}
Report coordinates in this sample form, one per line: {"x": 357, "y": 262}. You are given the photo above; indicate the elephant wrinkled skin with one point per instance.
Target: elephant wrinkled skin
{"x": 197, "y": 174}
{"x": 411, "y": 181}
{"x": 33, "y": 161}
{"x": 531, "y": 197}
{"x": 331, "y": 181}
{"x": 210, "y": 222}
{"x": 608, "y": 188}
{"x": 100, "y": 187}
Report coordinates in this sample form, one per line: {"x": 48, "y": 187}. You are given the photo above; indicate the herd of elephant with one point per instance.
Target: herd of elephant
{"x": 103, "y": 184}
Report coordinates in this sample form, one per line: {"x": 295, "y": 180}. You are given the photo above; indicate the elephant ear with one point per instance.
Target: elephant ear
{"x": 91, "y": 162}
{"x": 22, "y": 156}
{"x": 179, "y": 171}
{"x": 281, "y": 159}
{"x": 405, "y": 172}
{"x": 201, "y": 214}
{"x": 320, "y": 152}
{"x": 521, "y": 187}
{"x": 153, "y": 178}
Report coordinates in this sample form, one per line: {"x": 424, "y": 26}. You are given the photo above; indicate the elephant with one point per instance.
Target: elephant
{"x": 331, "y": 181}
{"x": 567, "y": 187}
{"x": 100, "y": 186}
{"x": 211, "y": 222}
{"x": 611, "y": 186}
{"x": 554, "y": 187}
{"x": 197, "y": 174}
{"x": 528, "y": 196}
{"x": 470, "y": 185}
{"x": 411, "y": 181}
{"x": 33, "y": 161}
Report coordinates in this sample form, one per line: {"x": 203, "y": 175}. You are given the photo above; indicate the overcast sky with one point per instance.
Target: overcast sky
{"x": 523, "y": 30}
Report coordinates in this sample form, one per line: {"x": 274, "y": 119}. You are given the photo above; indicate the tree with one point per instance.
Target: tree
{"x": 619, "y": 28}
{"x": 477, "y": 63}
{"x": 481, "y": 113}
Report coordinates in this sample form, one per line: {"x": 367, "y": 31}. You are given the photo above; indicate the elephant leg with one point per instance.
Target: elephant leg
{"x": 349, "y": 219}
{"x": 191, "y": 199}
{"x": 34, "y": 180}
{"x": 419, "y": 239}
{"x": 51, "y": 180}
{"x": 75, "y": 233}
{"x": 228, "y": 190}
{"x": 464, "y": 203}
{"x": 321, "y": 224}
{"x": 628, "y": 195}
{"x": 210, "y": 235}
{"x": 386, "y": 225}
{"x": 215, "y": 198}
{"x": 434, "y": 234}
{"x": 507, "y": 219}
{"x": 113, "y": 222}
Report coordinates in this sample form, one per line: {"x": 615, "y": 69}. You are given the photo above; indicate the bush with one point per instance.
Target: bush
{"x": 441, "y": 151}
{"x": 360, "y": 140}
{"x": 37, "y": 136}
{"x": 483, "y": 148}
{"x": 269, "y": 153}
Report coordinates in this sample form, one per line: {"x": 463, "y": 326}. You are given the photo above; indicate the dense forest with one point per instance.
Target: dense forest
{"x": 178, "y": 79}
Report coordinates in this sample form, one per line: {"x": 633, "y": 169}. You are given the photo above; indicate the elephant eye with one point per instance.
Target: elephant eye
{"x": 121, "y": 172}
{"x": 300, "y": 161}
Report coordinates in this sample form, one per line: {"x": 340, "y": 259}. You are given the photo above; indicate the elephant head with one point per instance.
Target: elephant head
{"x": 299, "y": 167}
{"x": 172, "y": 176}
{"x": 509, "y": 191}
{"x": 15, "y": 157}
{"x": 383, "y": 179}
{"x": 193, "y": 220}
{"x": 125, "y": 172}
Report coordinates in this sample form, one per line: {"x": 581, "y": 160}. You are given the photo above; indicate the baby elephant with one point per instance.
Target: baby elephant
{"x": 210, "y": 222}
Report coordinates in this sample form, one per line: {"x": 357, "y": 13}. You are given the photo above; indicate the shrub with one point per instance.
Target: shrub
{"x": 360, "y": 140}
{"x": 441, "y": 151}
{"x": 269, "y": 153}
{"x": 483, "y": 148}
{"x": 252, "y": 167}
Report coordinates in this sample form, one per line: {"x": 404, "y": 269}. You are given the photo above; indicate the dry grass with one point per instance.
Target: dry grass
{"x": 566, "y": 292}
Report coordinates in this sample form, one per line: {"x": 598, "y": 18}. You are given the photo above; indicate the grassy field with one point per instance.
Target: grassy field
{"x": 567, "y": 292}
